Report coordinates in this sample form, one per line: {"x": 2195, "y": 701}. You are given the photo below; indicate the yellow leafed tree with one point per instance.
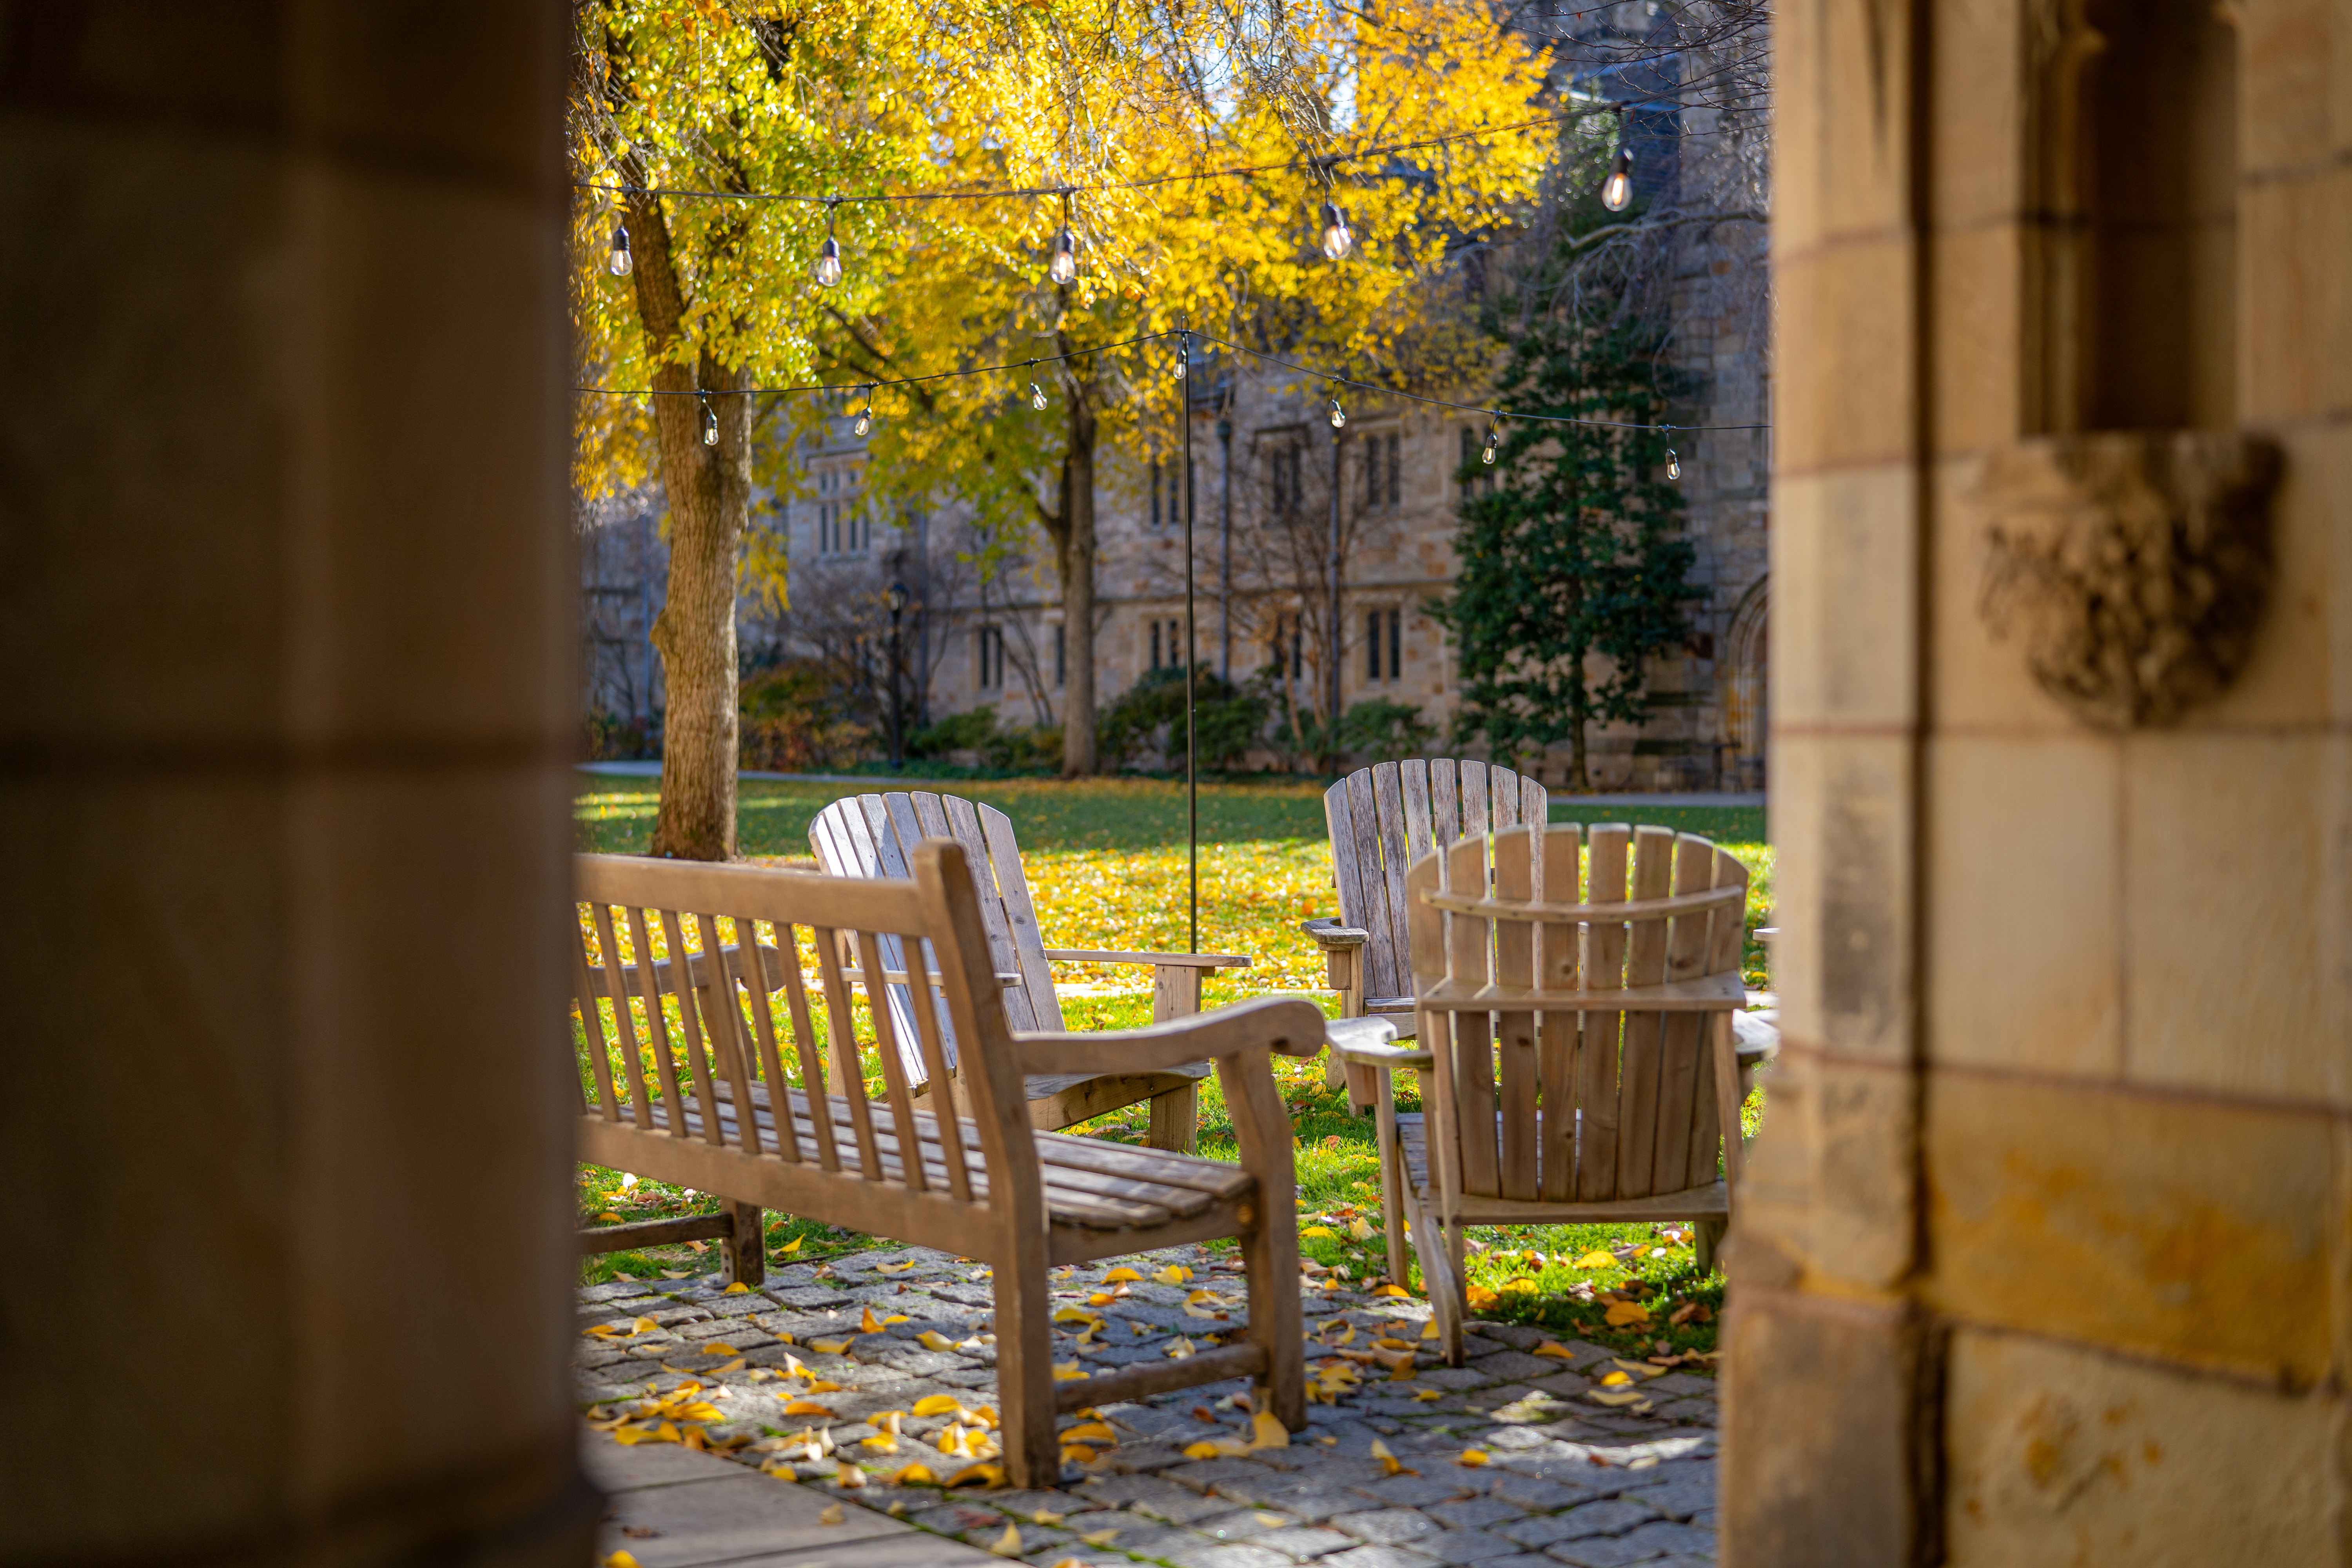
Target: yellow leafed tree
{"x": 1123, "y": 117}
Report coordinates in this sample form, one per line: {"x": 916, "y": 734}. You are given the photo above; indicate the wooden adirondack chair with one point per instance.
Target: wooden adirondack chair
{"x": 1382, "y": 819}
{"x": 721, "y": 1065}
{"x": 1576, "y": 1045}
{"x": 873, "y": 835}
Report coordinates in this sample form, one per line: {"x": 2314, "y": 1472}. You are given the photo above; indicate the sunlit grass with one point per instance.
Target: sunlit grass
{"x": 1107, "y": 867}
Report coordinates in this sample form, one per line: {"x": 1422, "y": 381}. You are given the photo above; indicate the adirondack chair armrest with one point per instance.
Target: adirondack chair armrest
{"x": 1343, "y": 959}
{"x": 1157, "y": 960}
{"x": 1330, "y": 935}
{"x": 1287, "y": 1026}
{"x": 1372, "y": 1042}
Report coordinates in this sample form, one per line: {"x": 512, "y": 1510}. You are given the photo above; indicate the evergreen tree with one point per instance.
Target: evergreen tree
{"x": 1572, "y": 568}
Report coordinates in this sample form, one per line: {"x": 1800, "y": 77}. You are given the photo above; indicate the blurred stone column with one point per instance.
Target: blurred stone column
{"x": 286, "y": 617}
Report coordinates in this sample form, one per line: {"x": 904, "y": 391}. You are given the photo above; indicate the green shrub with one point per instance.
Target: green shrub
{"x": 970, "y": 732}
{"x": 787, "y": 721}
{"x": 1382, "y": 729}
{"x": 1148, "y": 716}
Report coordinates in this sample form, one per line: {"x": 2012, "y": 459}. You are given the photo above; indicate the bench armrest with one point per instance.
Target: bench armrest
{"x": 1330, "y": 934}
{"x": 1157, "y": 960}
{"x": 1287, "y": 1026}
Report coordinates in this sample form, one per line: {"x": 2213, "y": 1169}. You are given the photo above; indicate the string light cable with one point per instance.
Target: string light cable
{"x": 1495, "y": 417}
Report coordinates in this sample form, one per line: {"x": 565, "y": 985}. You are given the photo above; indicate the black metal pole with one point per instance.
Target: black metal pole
{"x": 1192, "y": 655}
{"x": 1338, "y": 641}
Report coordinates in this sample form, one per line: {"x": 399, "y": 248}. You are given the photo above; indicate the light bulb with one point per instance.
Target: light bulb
{"x": 1037, "y": 397}
{"x": 1337, "y": 240}
{"x": 1617, "y": 190}
{"x": 1180, "y": 365}
{"x": 1339, "y": 416}
{"x": 619, "y": 261}
{"x": 1673, "y": 465}
{"x": 864, "y": 422}
{"x": 1065, "y": 265}
{"x": 826, "y": 268}
{"x": 710, "y": 424}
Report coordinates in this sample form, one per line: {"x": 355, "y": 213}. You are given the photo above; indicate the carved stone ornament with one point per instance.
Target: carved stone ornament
{"x": 2133, "y": 566}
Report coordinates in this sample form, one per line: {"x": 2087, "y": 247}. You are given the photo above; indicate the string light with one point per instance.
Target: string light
{"x": 710, "y": 424}
{"x": 864, "y": 421}
{"x": 618, "y": 260}
{"x": 1183, "y": 352}
{"x": 1305, "y": 372}
{"x": 1617, "y": 190}
{"x": 1339, "y": 416}
{"x": 1065, "y": 265}
{"x": 1337, "y": 240}
{"x": 1494, "y": 439}
{"x": 826, "y": 269}
{"x": 1036, "y": 395}
{"x": 1673, "y": 465}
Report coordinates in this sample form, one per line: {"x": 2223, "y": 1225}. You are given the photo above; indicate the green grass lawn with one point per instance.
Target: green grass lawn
{"x": 1105, "y": 863}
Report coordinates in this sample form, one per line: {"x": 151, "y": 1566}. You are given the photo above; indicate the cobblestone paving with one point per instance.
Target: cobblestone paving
{"x": 1566, "y": 1479}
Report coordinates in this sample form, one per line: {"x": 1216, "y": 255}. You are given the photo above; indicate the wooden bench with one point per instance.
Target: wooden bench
{"x": 738, "y": 1073}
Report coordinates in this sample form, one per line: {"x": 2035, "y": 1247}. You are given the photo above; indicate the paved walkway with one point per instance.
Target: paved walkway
{"x": 1567, "y": 1478}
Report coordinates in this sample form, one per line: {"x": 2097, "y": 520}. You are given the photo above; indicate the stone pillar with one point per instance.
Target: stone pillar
{"x": 2046, "y": 1251}
{"x": 286, "y": 609}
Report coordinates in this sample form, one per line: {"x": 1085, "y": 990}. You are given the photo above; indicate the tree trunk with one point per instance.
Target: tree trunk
{"x": 710, "y": 492}
{"x": 1072, "y": 531}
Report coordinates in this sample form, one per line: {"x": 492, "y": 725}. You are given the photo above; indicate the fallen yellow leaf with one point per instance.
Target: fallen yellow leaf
{"x": 1268, "y": 1432}
{"x": 1616, "y": 1396}
{"x": 829, "y": 1347}
{"x": 1429, "y": 1330}
{"x": 1009, "y": 1543}
{"x": 1091, "y": 1432}
{"x": 1392, "y": 1290}
{"x": 1359, "y": 1231}
{"x": 1179, "y": 1348}
{"x": 738, "y": 1288}
{"x": 1325, "y": 1231}
{"x": 1556, "y": 1350}
{"x": 1100, "y": 1537}
{"x": 1203, "y": 1449}
{"x": 986, "y": 1475}
{"x": 1075, "y": 1315}
{"x": 1595, "y": 1259}
{"x": 832, "y": 1515}
{"x": 1121, "y": 1275}
{"x": 791, "y": 1247}
{"x": 937, "y": 1404}
{"x": 643, "y": 1326}
{"x": 1620, "y": 1313}
{"x": 932, "y": 1340}
{"x": 899, "y": 1268}
{"x": 1389, "y": 1463}
{"x": 1175, "y": 1274}
{"x": 1430, "y": 1394}
{"x": 850, "y": 1477}
{"x": 867, "y": 1325}
{"x": 622, "y": 1559}
{"x": 1044, "y": 1517}
{"x": 1472, "y": 1456}
{"x": 1068, "y": 1372}
{"x": 1076, "y": 1454}
{"x": 913, "y": 1475}
{"x": 1101, "y": 1299}
{"x": 613, "y": 1217}
{"x": 810, "y": 1408}
{"x": 714, "y": 1348}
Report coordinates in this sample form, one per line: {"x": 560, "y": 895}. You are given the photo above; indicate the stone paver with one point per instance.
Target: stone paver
{"x": 1567, "y": 1482}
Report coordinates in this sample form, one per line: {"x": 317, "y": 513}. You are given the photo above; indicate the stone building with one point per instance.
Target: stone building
{"x": 1263, "y": 455}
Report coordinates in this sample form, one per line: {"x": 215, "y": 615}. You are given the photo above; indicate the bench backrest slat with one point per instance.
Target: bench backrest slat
{"x": 682, "y": 963}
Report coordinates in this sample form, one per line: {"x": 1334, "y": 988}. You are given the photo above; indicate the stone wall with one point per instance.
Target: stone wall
{"x": 2046, "y": 1255}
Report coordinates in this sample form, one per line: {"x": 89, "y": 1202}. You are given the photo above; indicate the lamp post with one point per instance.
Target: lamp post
{"x": 896, "y": 596}
{"x": 1225, "y": 544}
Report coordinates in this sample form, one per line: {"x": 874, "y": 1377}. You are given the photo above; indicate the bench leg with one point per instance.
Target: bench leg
{"x": 1176, "y": 1119}
{"x": 1025, "y": 1376}
{"x": 744, "y": 1248}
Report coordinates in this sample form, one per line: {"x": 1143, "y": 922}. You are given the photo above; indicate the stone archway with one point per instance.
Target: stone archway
{"x": 1745, "y": 672}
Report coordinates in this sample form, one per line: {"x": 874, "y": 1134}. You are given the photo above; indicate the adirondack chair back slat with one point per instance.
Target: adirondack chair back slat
{"x": 1385, "y": 817}
{"x": 1552, "y": 1103}
{"x": 872, "y": 836}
